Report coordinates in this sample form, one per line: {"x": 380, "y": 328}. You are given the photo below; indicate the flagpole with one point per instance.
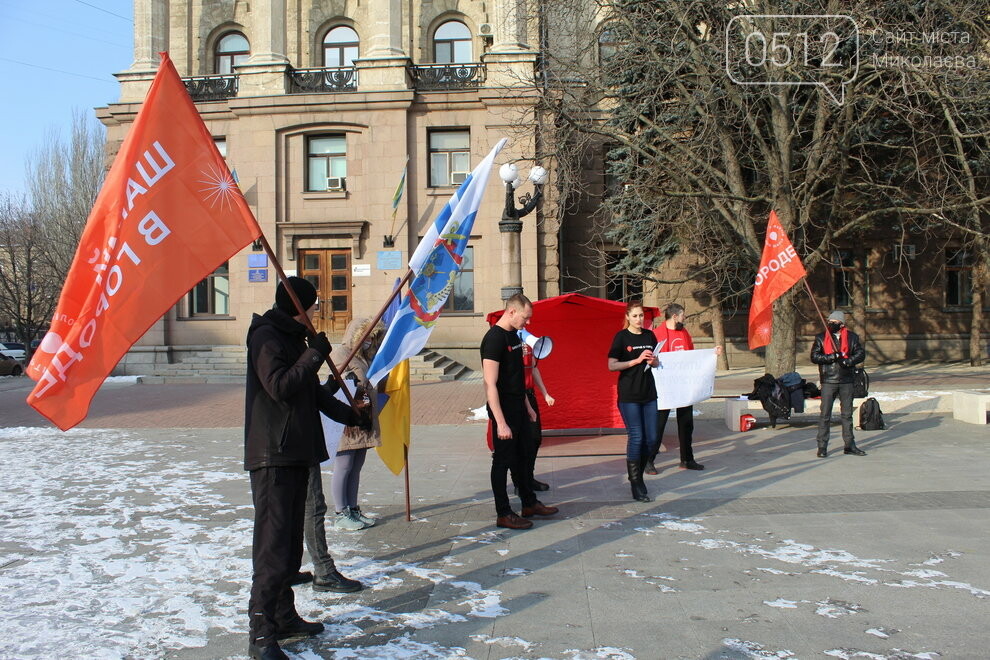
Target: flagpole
{"x": 405, "y": 455}
{"x": 371, "y": 326}
{"x": 815, "y": 302}
{"x": 302, "y": 312}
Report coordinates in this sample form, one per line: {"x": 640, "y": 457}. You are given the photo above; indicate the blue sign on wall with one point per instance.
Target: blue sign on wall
{"x": 257, "y": 260}
{"x": 257, "y": 274}
{"x": 389, "y": 259}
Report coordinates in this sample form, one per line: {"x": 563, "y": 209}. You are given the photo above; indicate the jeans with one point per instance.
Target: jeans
{"x": 685, "y": 431}
{"x": 641, "y": 428}
{"x": 347, "y": 478}
{"x": 315, "y": 529}
{"x": 845, "y": 393}
{"x": 279, "y": 495}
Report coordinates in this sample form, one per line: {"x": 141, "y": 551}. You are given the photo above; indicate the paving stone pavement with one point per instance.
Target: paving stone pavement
{"x": 769, "y": 552}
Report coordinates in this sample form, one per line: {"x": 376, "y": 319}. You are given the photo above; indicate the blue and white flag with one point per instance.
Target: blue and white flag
{"x": 435, "y": 265}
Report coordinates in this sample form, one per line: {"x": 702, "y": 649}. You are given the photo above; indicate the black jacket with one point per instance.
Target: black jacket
{"x": 832, "y": 367}
{"x": 284, "y": 397}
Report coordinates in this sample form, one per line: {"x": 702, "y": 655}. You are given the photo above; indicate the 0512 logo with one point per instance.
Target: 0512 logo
{"x": 793, "y": 49}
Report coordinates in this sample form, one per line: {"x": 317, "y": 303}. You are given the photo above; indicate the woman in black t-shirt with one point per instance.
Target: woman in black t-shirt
{"x": 632, "y": 356}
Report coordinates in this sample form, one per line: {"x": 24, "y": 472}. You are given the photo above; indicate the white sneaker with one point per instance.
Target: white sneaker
{"x": 367, "y": 520}
{"x": 348, "y": 523}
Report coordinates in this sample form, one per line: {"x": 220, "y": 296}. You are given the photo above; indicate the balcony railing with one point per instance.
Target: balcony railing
{"x": 325, "y": 79}
{"x": 448, "y": 76}
{"x": 211, "y": 88}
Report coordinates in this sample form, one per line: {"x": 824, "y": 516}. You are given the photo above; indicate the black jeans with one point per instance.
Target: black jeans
{"x": 685, "y": 431}
{"x": 515, "y": 455}
{"x": 845, "y": 394}
{"x": 279, "y": 495}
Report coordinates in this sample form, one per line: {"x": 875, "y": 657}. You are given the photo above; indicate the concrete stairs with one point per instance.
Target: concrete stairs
{"x": 227, "y": 364}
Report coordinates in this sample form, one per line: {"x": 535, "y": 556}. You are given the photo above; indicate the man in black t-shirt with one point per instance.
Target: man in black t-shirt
{"x": 510, "y": 412}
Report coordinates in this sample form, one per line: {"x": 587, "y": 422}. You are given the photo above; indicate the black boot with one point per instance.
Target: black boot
{"x": 822, "y": 449}
{"x": 649, "y": 467}
{"x": 635, "y": 472}
{"x": 851, "y": 448}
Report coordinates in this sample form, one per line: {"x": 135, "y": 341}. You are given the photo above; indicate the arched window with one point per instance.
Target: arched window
{"x": 608, "y": 45}
{"x": 232, "y": 49}
{"x": 340, "y": 47}
{"x": 452, "y": 43}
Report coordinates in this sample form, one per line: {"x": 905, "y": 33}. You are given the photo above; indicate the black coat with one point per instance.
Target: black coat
{"x": 832, "y": 367}
{"x": 284, "y": 397}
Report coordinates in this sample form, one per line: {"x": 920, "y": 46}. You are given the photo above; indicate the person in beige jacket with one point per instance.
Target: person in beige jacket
{"x": 355, "y": 443}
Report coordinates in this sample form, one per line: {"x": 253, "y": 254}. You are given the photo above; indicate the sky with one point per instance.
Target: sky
{"x": 56, "y": 56}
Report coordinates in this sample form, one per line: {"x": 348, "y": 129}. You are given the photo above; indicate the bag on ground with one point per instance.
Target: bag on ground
{"x": 861, "y": 383}
{"x": 870, "y": 416}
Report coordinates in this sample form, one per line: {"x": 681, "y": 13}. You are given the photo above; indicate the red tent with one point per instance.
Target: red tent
{"x": 575, "y": 373}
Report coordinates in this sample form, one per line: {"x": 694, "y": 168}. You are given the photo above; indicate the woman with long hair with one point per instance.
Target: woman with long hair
{"x": 631, "y": 354}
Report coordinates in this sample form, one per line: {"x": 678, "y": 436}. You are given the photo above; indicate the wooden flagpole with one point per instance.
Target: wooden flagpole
{"x": 309, "y": 324}
{"x": 405, "y": 454}
{"x": 815, "y": 302}
{"x": 381, "y": 312}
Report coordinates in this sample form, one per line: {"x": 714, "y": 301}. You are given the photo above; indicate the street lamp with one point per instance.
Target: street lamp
{"x": 510, "y": 226}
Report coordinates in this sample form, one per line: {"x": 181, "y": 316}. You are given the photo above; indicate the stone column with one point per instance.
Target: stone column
{"x": 383, "y": 65}
{"x": 509, "y": 28}
{"x": 265, "y": 71}
{"x": 510, "y": 62}
{"x": 150, "y": 38}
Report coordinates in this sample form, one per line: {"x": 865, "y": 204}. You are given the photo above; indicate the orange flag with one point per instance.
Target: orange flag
{"x": 168, "y": 215}
{"x": 780, "y": 269}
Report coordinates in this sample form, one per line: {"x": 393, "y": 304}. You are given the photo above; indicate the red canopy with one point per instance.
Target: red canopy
{"x": 576, "y": 372}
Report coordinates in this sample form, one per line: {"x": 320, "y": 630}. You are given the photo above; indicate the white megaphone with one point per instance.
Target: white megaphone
{"x": 541, "y": 345}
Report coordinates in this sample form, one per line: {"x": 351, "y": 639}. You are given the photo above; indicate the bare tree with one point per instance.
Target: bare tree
{"x": 64, "y": 178}
{"x": 714, "y": 113}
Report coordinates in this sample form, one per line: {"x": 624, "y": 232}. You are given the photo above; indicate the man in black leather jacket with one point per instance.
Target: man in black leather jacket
{"x": 283, "y": 438}
{"x": 837, "y": 353}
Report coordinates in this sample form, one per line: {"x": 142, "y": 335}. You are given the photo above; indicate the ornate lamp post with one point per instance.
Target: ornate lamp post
{"x": 510, "y": 226}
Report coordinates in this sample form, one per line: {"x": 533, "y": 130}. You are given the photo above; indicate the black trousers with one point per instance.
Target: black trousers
{"x": 844, "y": 392}
{"x": 279, "y": 495}
{"x": 515, "y": 455}
{"x": 535, "y": 436}
{"x": 685, "y": 430}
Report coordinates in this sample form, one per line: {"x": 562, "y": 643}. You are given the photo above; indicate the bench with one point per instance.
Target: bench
{"x": 970, "y": 406}
{"x": 736, "y": 407}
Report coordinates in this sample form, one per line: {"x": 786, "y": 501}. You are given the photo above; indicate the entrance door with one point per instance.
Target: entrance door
{"x": 330, "y": 272}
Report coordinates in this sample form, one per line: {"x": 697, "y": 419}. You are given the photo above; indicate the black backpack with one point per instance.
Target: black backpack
{"x": 870, "y": 416}
{"x": 777, "y": 403}
{"x": 861, "y": 383}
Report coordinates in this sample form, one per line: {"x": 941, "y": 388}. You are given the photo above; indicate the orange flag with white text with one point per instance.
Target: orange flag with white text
{"x": 780, "y": 269}
{"x": 168, "y": 215}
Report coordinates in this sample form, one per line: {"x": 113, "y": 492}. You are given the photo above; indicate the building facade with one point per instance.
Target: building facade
{"x": 319, "y": 108}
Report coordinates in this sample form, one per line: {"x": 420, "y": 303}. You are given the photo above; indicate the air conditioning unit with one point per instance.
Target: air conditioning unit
{"x": 336, "y": 183}
{"x": 904, "y": 251}
{"x": 485, "y": 30}
{"x": 458, "y": 177}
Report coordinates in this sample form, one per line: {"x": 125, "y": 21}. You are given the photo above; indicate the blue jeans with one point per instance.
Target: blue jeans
{"x": 641, "y": 428}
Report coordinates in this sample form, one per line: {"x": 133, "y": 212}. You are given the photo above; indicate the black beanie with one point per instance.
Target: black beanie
{"x": 305, "y": 291}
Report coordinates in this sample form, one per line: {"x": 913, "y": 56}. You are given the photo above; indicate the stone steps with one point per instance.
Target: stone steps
{"x": 227, "y": 364}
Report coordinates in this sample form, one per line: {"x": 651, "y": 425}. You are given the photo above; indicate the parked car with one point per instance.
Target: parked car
{"x": 13, "y": 350}
{"x": 10, "y": 366}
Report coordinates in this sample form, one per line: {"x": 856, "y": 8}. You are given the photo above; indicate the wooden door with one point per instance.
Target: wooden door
{"x": 330, "y": 272}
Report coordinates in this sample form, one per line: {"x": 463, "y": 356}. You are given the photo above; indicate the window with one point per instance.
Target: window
{"x": 452, "y": 43}
{"x": 608, "y": 45}
{"x": 340, "y": 47}
{"x": 958, "y": 278}
{"x": 221, "y": 143}
{"x": 211, "y": 297}
{"x": 450, "y": 157}
{"x": 461, "y": 298}
{"x": 232, "y": 49}
{"x": 326, "y": 162}
{"x": 623, "y": 288}
{"x": 844, "y": 273}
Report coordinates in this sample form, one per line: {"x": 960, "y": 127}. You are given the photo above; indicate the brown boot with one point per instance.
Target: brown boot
{"x": 538, "y": 509}
{"x": 512, "y": 521}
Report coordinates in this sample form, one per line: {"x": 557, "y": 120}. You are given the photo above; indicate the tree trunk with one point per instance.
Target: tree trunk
{"x": 981, "y": 279}
{"x": 780, "y": 352}
{"x": 718, "y": 331}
